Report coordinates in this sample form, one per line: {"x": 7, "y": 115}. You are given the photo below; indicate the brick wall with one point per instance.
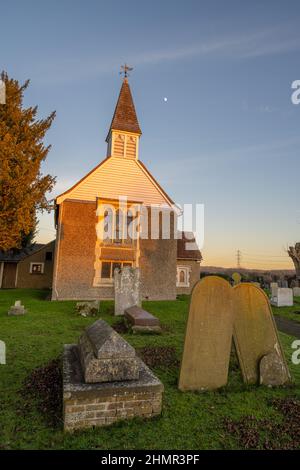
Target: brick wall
{"x": 106, "y": 410}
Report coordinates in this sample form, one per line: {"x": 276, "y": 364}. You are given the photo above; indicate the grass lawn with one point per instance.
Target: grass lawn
{"x": 289, "y": 312}
{"x": 189, "y": 420}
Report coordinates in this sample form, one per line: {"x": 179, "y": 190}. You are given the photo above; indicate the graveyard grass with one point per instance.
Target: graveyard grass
{"x": 189, "y": 420}
{"x": 292, "y": 313}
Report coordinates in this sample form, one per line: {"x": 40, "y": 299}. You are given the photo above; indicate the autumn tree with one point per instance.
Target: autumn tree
{"x": 23, "y": 187}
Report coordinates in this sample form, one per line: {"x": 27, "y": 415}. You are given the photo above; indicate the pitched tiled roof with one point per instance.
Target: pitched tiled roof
{"x": 183, "y": 252}
{"x": 125, "y": 118}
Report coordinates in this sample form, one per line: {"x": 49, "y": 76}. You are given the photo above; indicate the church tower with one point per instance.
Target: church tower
{"x": 124, "y": 132}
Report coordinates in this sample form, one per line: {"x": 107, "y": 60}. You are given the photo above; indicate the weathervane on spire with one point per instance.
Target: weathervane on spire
{"x": 125, "y": 69}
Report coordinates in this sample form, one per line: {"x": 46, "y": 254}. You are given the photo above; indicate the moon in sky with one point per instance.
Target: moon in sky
{"x": 165, "y": 99}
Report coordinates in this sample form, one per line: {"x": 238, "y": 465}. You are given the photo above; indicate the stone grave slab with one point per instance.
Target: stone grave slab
{"x": 141, "y": 320}
{"x": 105, "y": 356}
{"x": 255, "y": 333}
{"x": 208, "y": 337}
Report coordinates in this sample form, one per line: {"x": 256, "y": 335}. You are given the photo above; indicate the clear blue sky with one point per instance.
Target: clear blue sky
{"x": 228, "y": 136}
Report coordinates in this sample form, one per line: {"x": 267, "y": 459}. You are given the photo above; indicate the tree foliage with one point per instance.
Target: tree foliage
{"x": 23, "y": 187}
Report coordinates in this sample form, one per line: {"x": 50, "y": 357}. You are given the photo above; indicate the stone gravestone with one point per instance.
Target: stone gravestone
{"x": 207, "y": 344}
{"x": 283, "y": 297}
{"x": 296, "y": 291}
{"x": 127, "y": 289}
{"x": 17, "y": 309}
{"x": 256, "y": 338}
{"x": 105, "y": 356}
{"x": 274, "y": 288}
{"x": 105, "y": 382}
{"x": 142, "y": 321}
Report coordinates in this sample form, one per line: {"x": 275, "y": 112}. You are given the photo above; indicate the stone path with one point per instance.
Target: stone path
{"x": 287, "y": 326}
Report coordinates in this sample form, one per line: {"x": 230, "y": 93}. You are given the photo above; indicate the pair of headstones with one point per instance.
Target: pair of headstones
{"x": 219, "y": 313}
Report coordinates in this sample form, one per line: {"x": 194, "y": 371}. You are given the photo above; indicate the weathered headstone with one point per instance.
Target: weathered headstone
{"x": 17, "y": 309}
{"x": 105, "y": 356}
{"x": 273, "y": 370}
{"x": 296, "y": 291}
{"x": 207, "y": 345}
{"x": 283, "y": 297}
{"x": 127, "y": 289}
{"x": 142, "y": 321}
{"x": 88, "y": 309}
{"x": 274, "y": 288}
{"x": 255, "y": 335}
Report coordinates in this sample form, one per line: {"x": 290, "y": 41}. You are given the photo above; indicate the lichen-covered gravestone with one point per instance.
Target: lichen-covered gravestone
{"x": 207, "y": 345}
{"x": 219, "y": 312}
{"x": 127, "y": 289}
{"x": 105, "y": 356}
{"x": 256, "y": 338}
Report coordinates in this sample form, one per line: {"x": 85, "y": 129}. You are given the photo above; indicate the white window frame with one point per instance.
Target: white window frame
{"x": 110, "y": 280}
{"x": 124, "y": 239}
{"x": 39, "y": 263}
{"x": 187, "y": 271}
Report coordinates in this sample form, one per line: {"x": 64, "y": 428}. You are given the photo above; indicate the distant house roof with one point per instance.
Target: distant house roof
{"x": 182, "y": 247}
{"x": 13, "y": 256}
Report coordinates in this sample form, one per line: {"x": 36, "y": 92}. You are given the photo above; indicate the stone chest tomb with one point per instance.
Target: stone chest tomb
{"x": 104, "y": 381}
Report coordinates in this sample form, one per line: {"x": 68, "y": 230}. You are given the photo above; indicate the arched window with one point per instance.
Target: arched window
{"x": 183, "y": 276}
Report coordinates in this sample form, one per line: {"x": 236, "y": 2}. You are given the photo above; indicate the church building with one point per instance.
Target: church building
{"x": 94, "y": 218}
